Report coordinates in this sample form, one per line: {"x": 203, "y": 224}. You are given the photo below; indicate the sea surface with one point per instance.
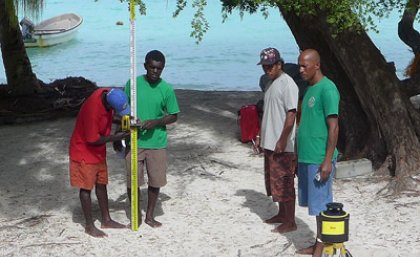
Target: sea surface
{"x": 225, "y": 59}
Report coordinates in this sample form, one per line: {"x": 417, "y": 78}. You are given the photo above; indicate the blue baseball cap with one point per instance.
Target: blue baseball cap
{"x": 118, "y": 101}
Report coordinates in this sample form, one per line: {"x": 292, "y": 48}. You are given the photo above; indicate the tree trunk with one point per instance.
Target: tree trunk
{"x": 406, "y": 31}
{"x": 411, "y": 86}
{"x": 20, "y": 78}
{"x": 355, "y": 138}
{"x": 25, "y": 98}
{"x": 378, "y": 120}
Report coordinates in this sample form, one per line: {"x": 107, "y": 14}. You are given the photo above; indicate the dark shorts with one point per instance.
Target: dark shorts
{"x": 279, "y": 174}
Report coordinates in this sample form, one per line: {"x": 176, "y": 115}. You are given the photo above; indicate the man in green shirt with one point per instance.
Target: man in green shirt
{"x": 157, "y": 107}
{"x": 317, "y": 140}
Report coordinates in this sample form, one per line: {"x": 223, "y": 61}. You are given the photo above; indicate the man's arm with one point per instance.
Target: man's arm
{"x": 168, "y": 119}
{"x": 111, "y": 138}
{"x": 326, "y": 166}
{"x": 288, "y": 126}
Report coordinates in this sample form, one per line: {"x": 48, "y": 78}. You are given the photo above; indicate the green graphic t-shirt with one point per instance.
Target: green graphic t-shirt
{"x": 320, "y": 101}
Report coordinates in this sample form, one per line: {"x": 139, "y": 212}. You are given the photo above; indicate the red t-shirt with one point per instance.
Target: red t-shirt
{"x": 93, "y": 121}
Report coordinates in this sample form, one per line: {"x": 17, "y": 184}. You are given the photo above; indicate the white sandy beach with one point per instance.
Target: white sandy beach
{"x": 213, "y": 205}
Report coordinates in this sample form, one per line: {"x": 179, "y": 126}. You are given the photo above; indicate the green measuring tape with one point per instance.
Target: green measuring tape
{"x": 133, "y": 137}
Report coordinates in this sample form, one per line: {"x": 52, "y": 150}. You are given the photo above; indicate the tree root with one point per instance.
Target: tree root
{"x": 409, "y": 186}
{"x": 386, "y": 166}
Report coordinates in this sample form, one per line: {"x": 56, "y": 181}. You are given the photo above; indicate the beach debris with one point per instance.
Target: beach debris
{"x": 22, "y": 223}
{"x": 223, "y": 163}
{"x": 51, "y": 244}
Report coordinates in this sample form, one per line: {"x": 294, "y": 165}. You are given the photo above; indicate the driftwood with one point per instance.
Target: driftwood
{"x": 60, "y": 98}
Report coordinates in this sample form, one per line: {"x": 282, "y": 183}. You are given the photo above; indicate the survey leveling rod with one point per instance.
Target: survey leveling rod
{"x": 133, "y": 101}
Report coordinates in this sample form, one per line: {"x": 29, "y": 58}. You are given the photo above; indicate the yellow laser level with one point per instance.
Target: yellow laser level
{"x": 334, "y": 229}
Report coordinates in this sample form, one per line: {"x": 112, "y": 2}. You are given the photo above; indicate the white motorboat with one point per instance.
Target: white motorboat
{"x": 53, "y": 31}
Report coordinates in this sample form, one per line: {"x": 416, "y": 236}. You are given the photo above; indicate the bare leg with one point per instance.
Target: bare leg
{"x": 153, "y": 193}
{"x": 306, "y": 251}
{"x": 138, "y": 203}
{"x": 86, "y": 202}
{"x": 319, "y": 246}
{"x": 289, "y": 223}
{"x": 278, "y": 218}
{"x": 316, "y": 249}
{"x": 102, "y": 195}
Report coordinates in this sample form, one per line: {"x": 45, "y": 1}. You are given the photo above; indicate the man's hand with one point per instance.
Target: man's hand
{"x": 325, "y": 170}
{"x": 111, "y": 138}
{"x": 119, "y": 136}
{"x": 150, "y": 124}
{"x": 117, "y": 145}
{"x": 280, "y": 146}
{"x": 256, "y": 145}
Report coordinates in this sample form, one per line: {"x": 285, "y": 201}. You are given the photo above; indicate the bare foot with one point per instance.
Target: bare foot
{"x": 274, "y": 219}
{"x": 306, "y": 251}
{"x": 153, "y": 223}
{"x": 284, "y": 228}
{"x": 319, "y": 247}
{"x": 93, "y": 231}
{"x": 112, "y": 224}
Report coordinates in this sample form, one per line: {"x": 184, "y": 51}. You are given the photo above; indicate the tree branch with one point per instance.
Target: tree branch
{"x": 406, "y": 31}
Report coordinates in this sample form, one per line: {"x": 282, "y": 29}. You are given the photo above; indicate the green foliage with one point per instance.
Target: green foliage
{"x": 199, "y": 23}
{"x": 342, "y": 15}
{"x": 180, "y": 5}
{"x": 139, "y": 3}
{"x": 245, "y": 6}
{"x": 32, "y": 8}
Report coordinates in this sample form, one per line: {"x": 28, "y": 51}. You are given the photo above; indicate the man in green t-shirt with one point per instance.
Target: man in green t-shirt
{"x": 157, "y": 107}
{"x": 317, "y": 140}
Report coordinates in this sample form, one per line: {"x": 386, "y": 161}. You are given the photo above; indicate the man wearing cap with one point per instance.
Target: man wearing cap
{"x": 87, "y": 152}
{"x": 277, "y": 138}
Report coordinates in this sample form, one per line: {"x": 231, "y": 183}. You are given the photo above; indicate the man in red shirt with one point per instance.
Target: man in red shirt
{"x": 87, "y": 150}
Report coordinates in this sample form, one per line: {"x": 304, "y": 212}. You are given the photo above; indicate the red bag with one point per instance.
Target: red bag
{"x": 249, "y": 123}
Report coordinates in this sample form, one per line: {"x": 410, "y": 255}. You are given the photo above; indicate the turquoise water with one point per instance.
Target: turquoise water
{"x": 225, "y": 60}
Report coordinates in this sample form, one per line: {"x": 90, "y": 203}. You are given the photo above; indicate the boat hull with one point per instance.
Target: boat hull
{"x": 55, "y": 31}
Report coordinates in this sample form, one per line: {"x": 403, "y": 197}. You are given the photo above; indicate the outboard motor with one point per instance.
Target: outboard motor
{"x": 27, "y": 28}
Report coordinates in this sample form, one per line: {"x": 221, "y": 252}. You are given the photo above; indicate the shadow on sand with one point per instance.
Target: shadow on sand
{"x": 265, "y": 208}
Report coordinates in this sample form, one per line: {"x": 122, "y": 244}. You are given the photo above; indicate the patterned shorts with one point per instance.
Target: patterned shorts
{"x": 279, "y": 174}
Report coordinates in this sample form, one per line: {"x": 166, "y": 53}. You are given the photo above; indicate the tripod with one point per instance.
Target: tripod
{"x": 330, "y": 250}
